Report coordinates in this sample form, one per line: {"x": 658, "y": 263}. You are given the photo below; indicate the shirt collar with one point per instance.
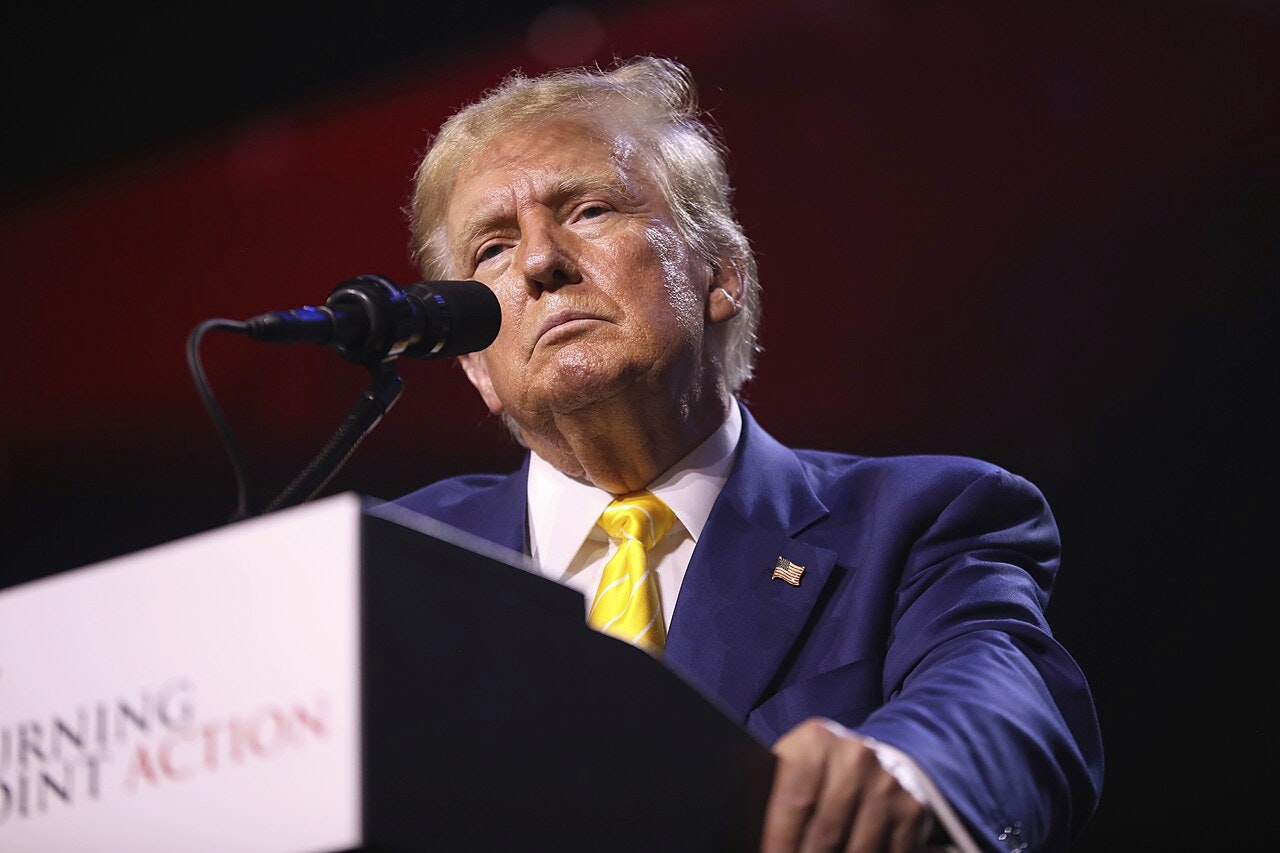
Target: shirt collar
{"x": 563, "y": 510}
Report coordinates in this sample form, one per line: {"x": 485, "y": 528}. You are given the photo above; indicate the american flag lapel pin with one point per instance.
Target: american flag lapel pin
{"x": 787, "y": 571}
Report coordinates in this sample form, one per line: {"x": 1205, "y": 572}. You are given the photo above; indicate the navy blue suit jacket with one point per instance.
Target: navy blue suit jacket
{"x": 919, "y": 620}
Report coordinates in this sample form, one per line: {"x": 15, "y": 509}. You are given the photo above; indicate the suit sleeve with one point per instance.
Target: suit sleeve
{"x": 979, "y": 693}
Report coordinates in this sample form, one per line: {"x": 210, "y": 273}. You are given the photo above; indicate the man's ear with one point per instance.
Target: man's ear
{"x": 477, "y": 371}
{"x": 724, "y": 294}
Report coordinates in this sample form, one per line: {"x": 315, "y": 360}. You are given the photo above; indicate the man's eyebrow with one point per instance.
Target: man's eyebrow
{"x": 478, "y": 223}
{"x": 611, "y": 184}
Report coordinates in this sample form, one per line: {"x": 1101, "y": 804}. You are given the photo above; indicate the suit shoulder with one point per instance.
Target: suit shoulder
{"x": 945, "y": 476}
{"x": 921, "y": 466}
{"x": 445, "y": 495}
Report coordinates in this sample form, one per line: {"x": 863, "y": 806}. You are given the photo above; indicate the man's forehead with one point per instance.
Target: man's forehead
{"x": 544, "y": 160}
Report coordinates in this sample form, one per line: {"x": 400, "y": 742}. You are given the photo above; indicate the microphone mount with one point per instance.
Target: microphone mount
{"x": 370, "y": 321}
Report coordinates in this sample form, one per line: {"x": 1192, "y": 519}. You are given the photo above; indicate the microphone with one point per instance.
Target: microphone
{"x": 369, "y": 319}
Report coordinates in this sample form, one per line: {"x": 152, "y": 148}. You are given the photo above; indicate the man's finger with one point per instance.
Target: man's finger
{"x": 797, "y": 784}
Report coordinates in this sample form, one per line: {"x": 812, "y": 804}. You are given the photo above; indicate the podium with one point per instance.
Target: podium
{"x": 347, "y": 677}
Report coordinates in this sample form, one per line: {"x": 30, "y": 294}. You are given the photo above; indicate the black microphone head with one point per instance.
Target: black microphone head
{"x": 465, "y": 317}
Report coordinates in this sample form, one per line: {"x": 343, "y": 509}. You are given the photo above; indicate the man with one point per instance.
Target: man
{"x": 879, "y": 621}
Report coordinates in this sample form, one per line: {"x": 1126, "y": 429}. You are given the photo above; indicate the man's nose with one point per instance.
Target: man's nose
{"x": 547, "y": 254}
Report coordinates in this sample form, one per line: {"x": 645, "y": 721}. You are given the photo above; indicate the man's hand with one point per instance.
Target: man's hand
{"x": 830, "y": 792}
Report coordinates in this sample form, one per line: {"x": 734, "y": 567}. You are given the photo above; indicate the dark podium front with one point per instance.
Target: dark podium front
{"x": 495, "y": 719}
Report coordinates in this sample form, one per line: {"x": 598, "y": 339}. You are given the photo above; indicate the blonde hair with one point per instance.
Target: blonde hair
{"x": 656, "y": 101}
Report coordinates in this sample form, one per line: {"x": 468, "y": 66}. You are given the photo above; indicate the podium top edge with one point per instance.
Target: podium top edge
{"x": 433, "y": 527}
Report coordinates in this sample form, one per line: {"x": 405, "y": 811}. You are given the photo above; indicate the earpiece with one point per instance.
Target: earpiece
{"x": 733, "y": 303}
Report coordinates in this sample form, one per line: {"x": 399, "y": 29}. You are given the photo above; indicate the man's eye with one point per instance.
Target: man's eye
{"x": 489, "y": 252}
{"x": 593, "y": 211}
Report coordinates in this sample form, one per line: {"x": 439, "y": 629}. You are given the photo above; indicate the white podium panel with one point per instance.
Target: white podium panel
{"x": 199, "y": 696}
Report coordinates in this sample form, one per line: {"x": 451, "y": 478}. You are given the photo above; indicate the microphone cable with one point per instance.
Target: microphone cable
{"x": 215, "y": 411}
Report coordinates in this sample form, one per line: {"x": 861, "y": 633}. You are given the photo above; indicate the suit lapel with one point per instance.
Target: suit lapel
{"x": 734, "y": 625}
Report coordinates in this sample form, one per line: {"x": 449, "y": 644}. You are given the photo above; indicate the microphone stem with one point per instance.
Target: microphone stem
{"x": 377, "y": 399}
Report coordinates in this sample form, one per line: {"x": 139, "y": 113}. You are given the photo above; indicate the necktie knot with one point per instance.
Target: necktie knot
{"x": 640, "y": 516}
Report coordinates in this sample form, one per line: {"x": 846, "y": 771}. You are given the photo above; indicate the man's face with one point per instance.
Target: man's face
{"x": 600, "y": 295}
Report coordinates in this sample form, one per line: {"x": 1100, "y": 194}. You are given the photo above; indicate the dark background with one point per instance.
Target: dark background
{"x": 1046, "y": 234}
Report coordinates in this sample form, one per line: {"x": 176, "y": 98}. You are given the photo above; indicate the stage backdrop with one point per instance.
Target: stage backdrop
{"x": 1042, "y": 233}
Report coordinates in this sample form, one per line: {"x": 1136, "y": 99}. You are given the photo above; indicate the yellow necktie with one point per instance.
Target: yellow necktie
{"x": 627, "y": 604}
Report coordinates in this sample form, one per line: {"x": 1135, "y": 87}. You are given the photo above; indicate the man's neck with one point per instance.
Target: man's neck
{"x": 623, "y": 451}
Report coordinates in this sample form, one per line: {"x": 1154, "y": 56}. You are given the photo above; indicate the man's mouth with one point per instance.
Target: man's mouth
{"x": 563, "y": 321}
